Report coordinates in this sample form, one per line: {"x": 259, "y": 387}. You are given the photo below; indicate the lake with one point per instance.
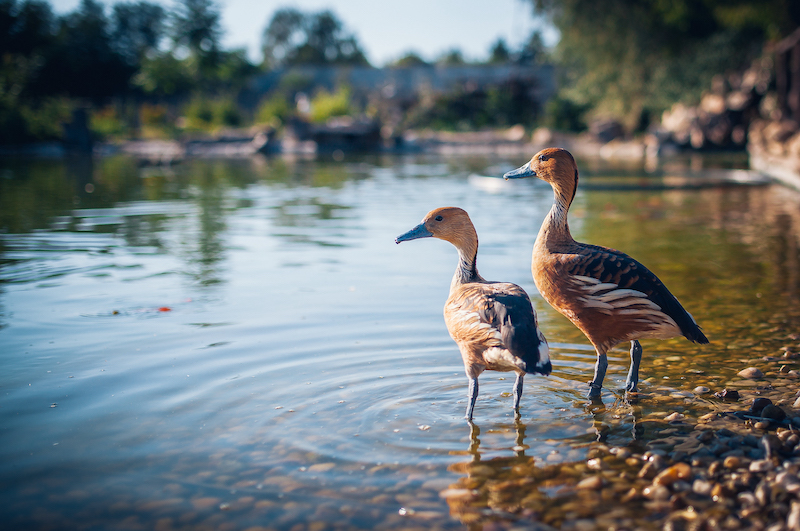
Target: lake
{"x": 240, "y": 344}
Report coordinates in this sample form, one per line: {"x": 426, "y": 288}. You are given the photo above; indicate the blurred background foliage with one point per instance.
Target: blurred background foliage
{"x": 630, "y": 60}
{"x": 140, "y": 70}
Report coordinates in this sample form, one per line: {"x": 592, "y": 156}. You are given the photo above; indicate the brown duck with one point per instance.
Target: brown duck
{"x": 493, "y": 323}
{"x": 608, "y": 295}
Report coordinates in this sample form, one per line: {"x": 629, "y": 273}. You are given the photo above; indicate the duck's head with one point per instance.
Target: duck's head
{"x": 446, "y": 223}
{"x": 553, "y": 165}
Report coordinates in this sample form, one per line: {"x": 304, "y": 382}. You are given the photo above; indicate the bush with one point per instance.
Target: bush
{"x": 326, "y": 105}
{"x": 274, "y": 110}
{"x": 203, "y": 114}
{"x": 25, "y": 122}
{"x": 105, "y": 122}
{"x": 565, "y": 115}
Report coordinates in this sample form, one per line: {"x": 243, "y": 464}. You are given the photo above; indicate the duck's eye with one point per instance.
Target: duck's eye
{"x": 542, "y": 158}
{"x": 438, "y": 218}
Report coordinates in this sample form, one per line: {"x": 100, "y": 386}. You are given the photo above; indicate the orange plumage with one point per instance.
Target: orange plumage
{"x": 493, "y": 323}
{"x": 608, "y": 295}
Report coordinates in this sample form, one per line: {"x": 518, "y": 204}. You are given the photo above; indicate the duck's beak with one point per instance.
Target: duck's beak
{"x": 520, "y": 173}
{"x": 420, "y": 231}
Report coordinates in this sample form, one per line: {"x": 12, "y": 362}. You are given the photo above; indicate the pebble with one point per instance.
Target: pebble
{"x": 773, "y": 412}
{"x": 591, "y": 483}
{"x": 701, "y": 390}
{"x": 674, "y": 416}
{"x": 758, "y": 405}
{"x": 752, "y": 373}
{"x": 732, "y": 462}
{"x": 656, "y": 492}
{"x": 729, "y": 395}
{"x": 677, "y": 472}
{"x": 762, "y": 465}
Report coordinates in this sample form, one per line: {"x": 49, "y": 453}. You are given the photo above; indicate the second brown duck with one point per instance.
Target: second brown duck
{"x": 608, "y": 295}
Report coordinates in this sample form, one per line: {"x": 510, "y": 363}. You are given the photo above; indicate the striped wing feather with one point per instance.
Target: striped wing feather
{"x": 495, "y": 315}
{"x": 619, "y": 276}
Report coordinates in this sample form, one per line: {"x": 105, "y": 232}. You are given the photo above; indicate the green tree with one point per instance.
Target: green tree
{"x": 499, "y": 52}
{"x": 293, "y": 37}
{"x": 630, "y": 59}
{"x": 196, "y": 27}
{"x": 83, "y": 62}
{"x": 137, "y": 29}
{"x": 453, "y": 57}
{"x": 408, "y": 60}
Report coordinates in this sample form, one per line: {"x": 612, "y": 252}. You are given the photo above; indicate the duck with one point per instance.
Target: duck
{"x": 608, "y": 295}
{"x": 493, "y": 323}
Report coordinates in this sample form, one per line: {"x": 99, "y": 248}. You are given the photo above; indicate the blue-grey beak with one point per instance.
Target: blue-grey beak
{"x": 417, "y": 232}
{"x": 520, "y": 173}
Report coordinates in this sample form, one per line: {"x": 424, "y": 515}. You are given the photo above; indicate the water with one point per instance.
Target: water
{"x": 240, "y": 344}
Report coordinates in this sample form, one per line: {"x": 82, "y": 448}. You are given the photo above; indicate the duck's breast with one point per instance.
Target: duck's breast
{"x": 497, "y": 322}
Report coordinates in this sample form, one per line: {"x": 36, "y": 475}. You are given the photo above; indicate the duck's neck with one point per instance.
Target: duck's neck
{"x": 555, "y": 228}
{"x": 467, "y": 270}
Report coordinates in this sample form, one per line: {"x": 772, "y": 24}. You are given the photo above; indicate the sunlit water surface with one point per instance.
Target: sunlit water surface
{"x": 235, "y": 344}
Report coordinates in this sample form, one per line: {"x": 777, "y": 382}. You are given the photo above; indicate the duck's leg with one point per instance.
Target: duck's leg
{"x": 473, "y": 395}
{"x": 518, "y": 391}
{"x": 633, "y": 374}
{"x": 596, "y": 385}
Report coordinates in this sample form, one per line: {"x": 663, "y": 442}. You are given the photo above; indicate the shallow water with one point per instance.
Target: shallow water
{"x": 237, "y": 344}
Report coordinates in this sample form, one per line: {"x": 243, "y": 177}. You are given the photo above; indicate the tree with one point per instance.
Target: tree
{"x": 632, "y": 58}
{"x": 499, "y": 52}
{"x": 83, "y": 62}
{"x": 453, "y": 57}
{"x": 137, "y": 29}
{"x": 196, "y": 26}
{"x": 293, "y": 37}
{"x": 408, "y": 60}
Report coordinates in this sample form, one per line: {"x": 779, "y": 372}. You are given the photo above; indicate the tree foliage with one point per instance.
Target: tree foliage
{"x": 295, "y": 38}
{"x": 137, "y": 29}
{"x": 631, "y": 59}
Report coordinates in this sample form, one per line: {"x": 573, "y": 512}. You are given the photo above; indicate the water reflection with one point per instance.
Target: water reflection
{"x": 303, "y": 370}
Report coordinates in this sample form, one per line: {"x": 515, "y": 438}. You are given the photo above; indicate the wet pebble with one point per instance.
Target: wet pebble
{"x": 752, "y": 373}
{"x": 773, "y": 413}
{"x": 591, "y": 483}
{"x": 677, "y": 472}
{"x": 761, "y": 465}
{"x": 729, "y": 395}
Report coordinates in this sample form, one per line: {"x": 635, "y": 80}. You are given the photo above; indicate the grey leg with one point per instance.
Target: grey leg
{"x": 473, "y": 395}
{"x": 518, "y": 391}
{"x": 633, "y": 374}
{"x": 596, "y": 385}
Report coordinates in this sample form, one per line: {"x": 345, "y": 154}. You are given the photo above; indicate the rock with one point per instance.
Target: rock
{"x": 751, "y": 373}
{"x": 674, "y": 416}
{"x": 656, "y": 492}
{"x": 732, "y": 462}
{"x": 591, "y": 483}
{"x": 729, "y": 395}
{"x": 758, "y": 405}
{"x": 677, "y": 472}
{"x": 773, "y": 413}
{"x": 793, "y": 520}
{"x": 761, "y": 465}
{"x": 701, "y": 390}
{"x": 712, "y": 104}
{"x": 771, "y": 445}
{"x": 597, "y": 464}
{"x": 701, "y": 487}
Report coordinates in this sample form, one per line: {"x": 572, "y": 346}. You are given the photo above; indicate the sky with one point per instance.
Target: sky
{"x": 386, "y": 29}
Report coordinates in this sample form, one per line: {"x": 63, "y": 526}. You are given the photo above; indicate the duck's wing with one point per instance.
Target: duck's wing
{"x": 612, "y": 280}
{"x": 498, "y": 315}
